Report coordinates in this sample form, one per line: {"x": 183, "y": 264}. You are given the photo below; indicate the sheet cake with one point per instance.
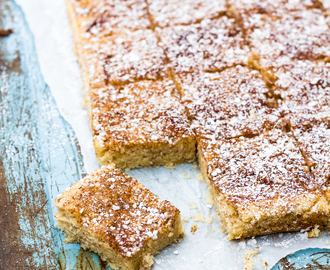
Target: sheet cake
{"x": 237, "y": 78}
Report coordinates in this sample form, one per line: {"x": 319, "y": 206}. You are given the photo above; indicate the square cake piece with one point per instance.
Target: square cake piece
{"x": 113, "y": 215}
{"x": 106, "y": 17}
{"x": 233, "y": 97}
{"x": 313, "y": 135}
{"x": 140, "y": 125}
{"x": 300, "y": 85}
{"x": 122, "y": 58}
{"x": 300, "y": 35}
{"x": 211, "y": 45}
{"x": 176, "y": 12}
{"x": 262, "y": 185}
{"x": 222, "y": 95}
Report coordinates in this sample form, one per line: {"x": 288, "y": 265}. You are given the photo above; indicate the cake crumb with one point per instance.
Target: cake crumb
{"x": 176, "y": 252}
{"x": 186, "y": 175}
{"x": 209, "y": 199}
{"x": 73, "y": 172}
{"x": 184, "y": 219}
{"x": 238, "y": 248}
{"x": 326, "y": 242}
{"x": 208, "y": 220}
{"x": 192, "y": 205}
{"x": 315, "y": 232}
{"x": 198, "y": 217}
{"x": 248, "y": 259}
{"x": 222, "y": 229}
{"x": 193, "y": 229}
{"x": 83, "y": 103}
{"x": 199, "y": 176}
{"x": 252, "y": 115}
{"x": 65, "y": 111}
{"x": 194, "y": 166}
{"x": 265, "y": 265}
{"x": 170, "y": 166}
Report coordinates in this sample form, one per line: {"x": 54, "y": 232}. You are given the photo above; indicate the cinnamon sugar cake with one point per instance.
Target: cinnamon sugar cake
{"x": 261, "y": 185}
{"x": 232, "y": 80}
{"x": 141, "y": 124}
{"x": 112, "y": 214}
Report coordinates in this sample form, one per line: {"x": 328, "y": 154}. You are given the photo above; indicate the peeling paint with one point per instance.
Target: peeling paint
{"x": 307, "y": 259}
{"x": 38, "y": 152}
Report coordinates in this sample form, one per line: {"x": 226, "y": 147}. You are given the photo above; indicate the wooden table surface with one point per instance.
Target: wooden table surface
{"x": 39, "y": 158}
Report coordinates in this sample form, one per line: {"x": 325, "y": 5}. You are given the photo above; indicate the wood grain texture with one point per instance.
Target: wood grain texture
{"x": 39, "y": 158}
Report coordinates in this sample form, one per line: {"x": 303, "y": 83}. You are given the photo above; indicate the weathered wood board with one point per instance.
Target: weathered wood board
{"x": 39, "y": 158}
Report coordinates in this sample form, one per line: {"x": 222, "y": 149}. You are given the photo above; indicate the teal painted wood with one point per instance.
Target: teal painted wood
{"x": 311, "y": 258}
{"x": 39, "y": 158}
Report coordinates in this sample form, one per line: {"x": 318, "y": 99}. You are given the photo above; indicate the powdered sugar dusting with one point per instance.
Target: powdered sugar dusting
{"x": 142, "y": 113}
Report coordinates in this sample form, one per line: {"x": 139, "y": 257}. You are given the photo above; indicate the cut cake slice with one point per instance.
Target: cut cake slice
{"x": 232, "y": 101}
{"x": 300, "y": 85}
{"x": 210, "y": 45}
{"x": 312, "y": 133}
{"x": 176, "y": 12}
{"x": 106, "y": 17}
{"x": 262, "y": 185}
{"x": 299, "y": 35}
{"x": 113, "y": 215}
{"x": 140, "y": 125}
{"x": 122, "y": 58}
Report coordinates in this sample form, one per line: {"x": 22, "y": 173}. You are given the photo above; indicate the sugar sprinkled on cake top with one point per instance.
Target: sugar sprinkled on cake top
{"x": 143, "y": 112}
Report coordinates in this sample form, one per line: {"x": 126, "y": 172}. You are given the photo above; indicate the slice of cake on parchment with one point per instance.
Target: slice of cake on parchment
{"x": 112, "y": 214}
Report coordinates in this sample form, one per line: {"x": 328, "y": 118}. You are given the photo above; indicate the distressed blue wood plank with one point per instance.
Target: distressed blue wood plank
{"x": 311, "y": 258}
{"x": 39, "y": 158}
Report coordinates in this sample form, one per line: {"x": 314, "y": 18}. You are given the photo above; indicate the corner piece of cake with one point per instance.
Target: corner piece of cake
{"x": 262, "y": 185}
{"x": 113, "y": 215}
